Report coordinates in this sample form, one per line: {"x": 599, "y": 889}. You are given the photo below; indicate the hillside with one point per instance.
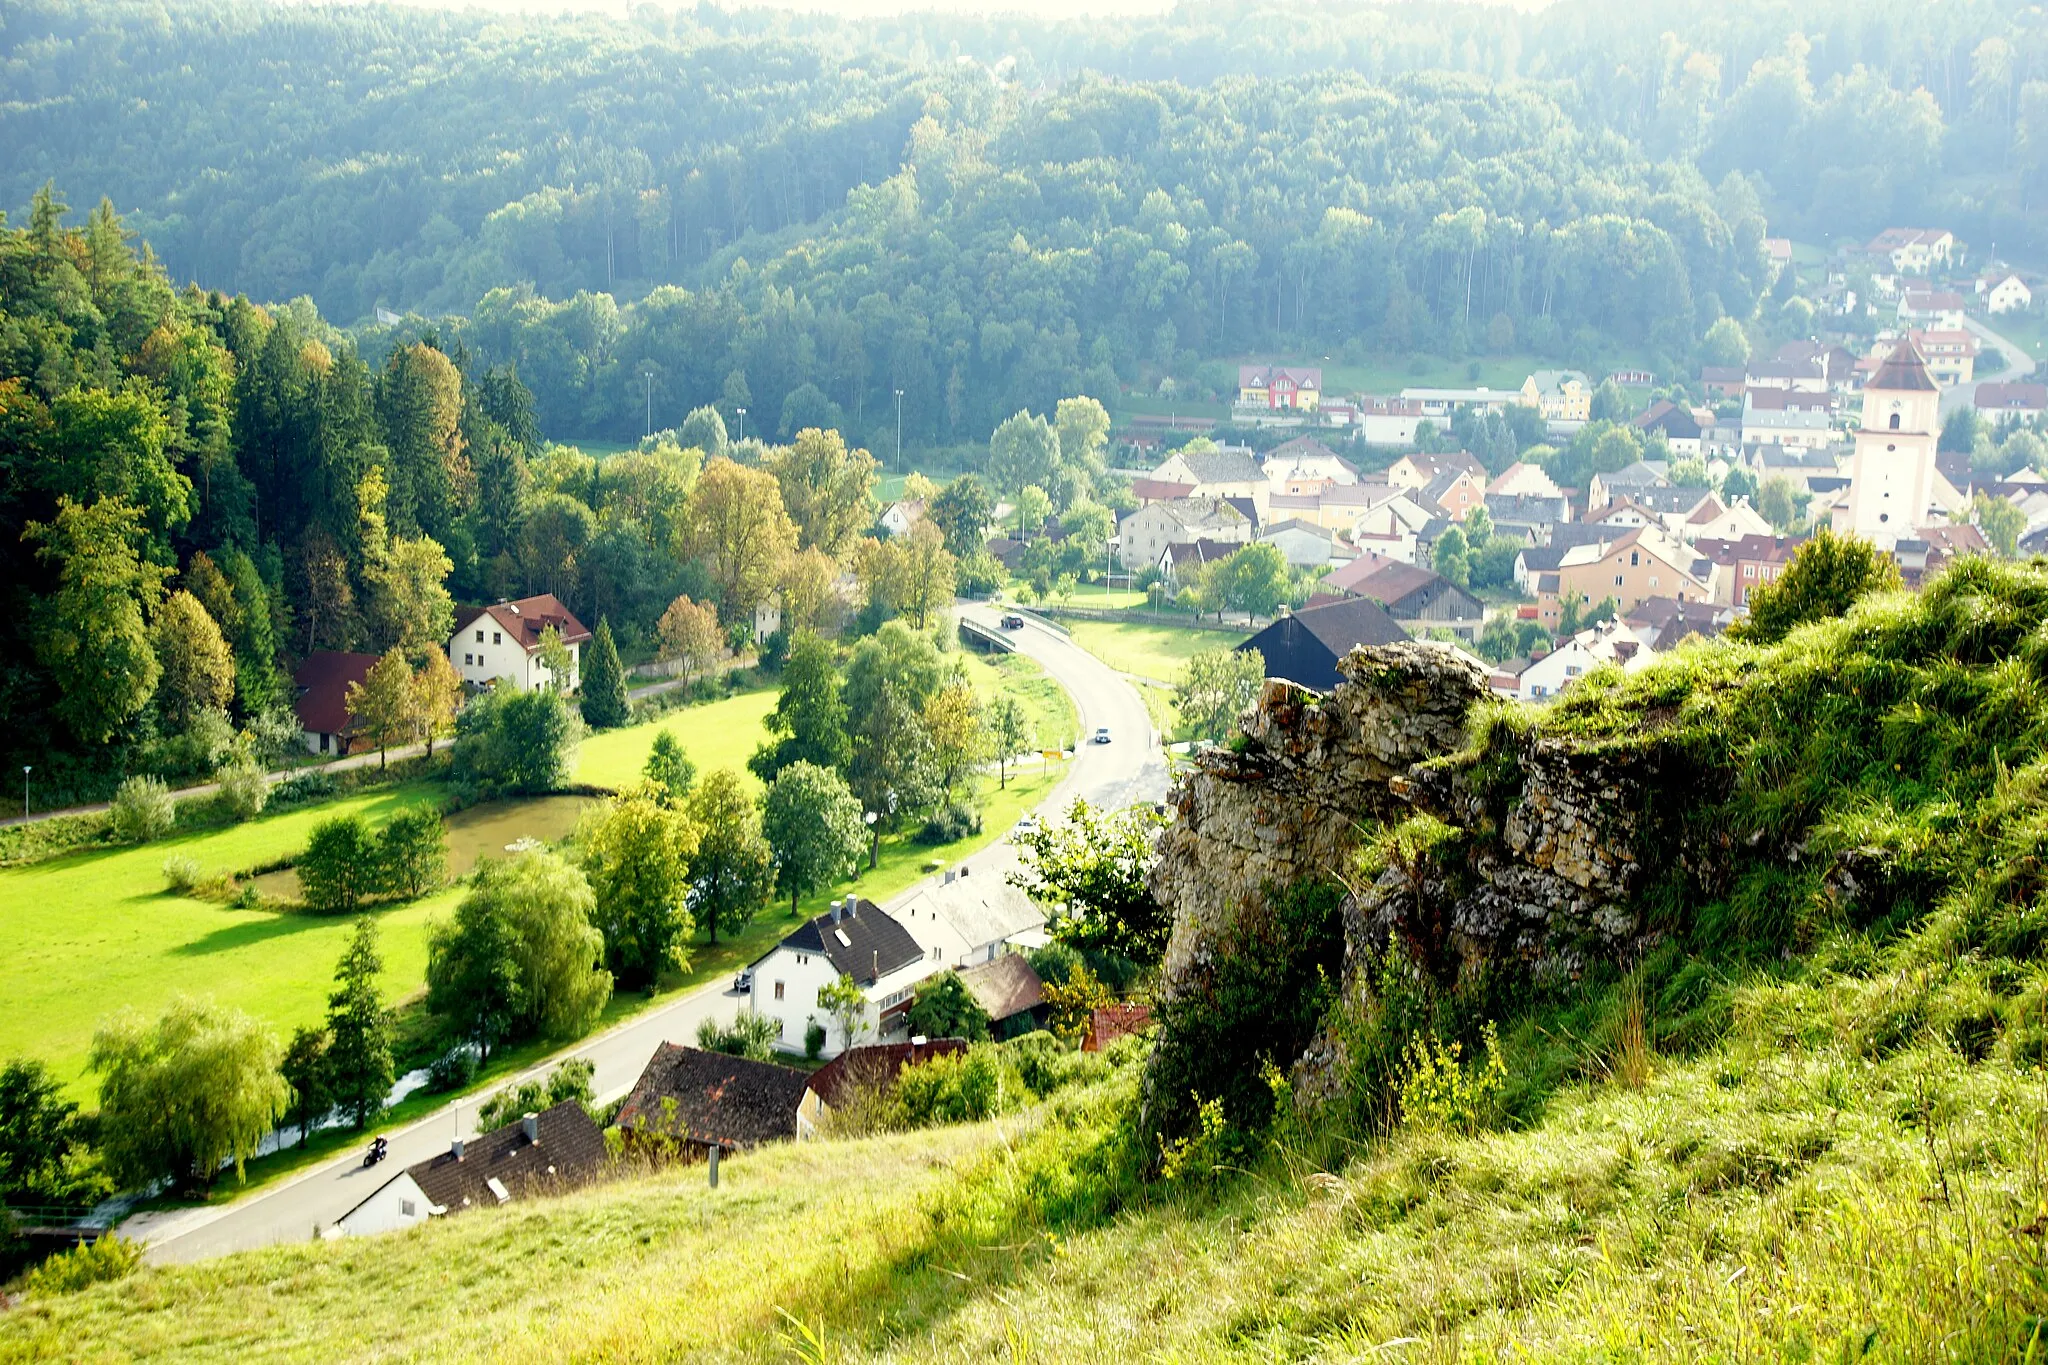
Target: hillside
{"x": 1771, "y": 1076}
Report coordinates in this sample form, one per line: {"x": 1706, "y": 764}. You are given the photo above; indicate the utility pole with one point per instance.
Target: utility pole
{"x": 742, "y": 414}
{"x": 24, "y": 790}
{"x": 899, "y": 428}
{"x": 648, "y": 375}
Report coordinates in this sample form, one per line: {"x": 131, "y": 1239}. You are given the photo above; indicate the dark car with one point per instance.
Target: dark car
{"x": 1013, "y": 622}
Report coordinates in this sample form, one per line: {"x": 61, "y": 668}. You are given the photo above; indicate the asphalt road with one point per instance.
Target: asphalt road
{"x": 2018, "y": 365}
{"x": 1128, "y": 769}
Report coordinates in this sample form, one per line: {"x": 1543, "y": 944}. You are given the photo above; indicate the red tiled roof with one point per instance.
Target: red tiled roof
{"x": 876, "y": 1065}
{"x": 1111, "y": 1022}
{"x": 322, "y": 682}
{"x": 525, "y": 619}
{"x": 1159, "y": 490}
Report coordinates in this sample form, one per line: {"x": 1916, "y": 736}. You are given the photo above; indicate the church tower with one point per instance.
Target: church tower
{"x": 1891, "y": 478}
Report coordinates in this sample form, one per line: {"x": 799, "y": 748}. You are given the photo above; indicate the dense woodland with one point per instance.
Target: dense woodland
{"x": 802, "y": 216}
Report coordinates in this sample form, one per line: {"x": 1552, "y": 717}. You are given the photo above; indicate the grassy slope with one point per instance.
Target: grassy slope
{"x": 1783, "y": 1187}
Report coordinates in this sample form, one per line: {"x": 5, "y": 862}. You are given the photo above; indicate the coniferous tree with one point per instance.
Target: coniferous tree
{"x": 604, "y": 683}
{"x": 359, "y": 1066}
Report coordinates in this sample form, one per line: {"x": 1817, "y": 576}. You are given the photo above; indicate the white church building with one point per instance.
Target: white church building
{"x": 1891, "y": 474}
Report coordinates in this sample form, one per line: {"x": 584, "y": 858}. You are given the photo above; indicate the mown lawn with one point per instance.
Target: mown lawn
{"x": 94, "y": 931}
{"x": 719, "y": 734}
{"x": 1156, "y": 652}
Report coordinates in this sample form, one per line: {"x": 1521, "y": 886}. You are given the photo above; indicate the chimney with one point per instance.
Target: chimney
{"x": 455, "y": 1149}
{"x": 531, "y": 1125}
{"x": 853, "y": 907}
{"x": 835, "y": 911}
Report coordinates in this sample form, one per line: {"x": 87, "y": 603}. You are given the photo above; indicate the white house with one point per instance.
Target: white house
{"x": 855, "y": 938}
{"x": 1305, "y": 461}
{"x": 1231, "y": 472}
{"x": 1610, "y": 642}
{"x": 547, "y": 1153}
{"x": 898, "y": 517}
{"x": 1392, "y": 421}
{"x": 1305, "y": 544}
{"x": 1941, "y": 309}
{"x": 501, "y": 643}
{"x": 1145, "y": 534}
{"x": 2006, "y": 293}
{"x": 967, "y": 919}
{"x": 1730, "y": 523}
{"x": 1914, "y": 250}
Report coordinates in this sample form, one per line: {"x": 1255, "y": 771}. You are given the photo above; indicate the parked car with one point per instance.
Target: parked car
{"x": 1013, "y": 622}
{"x": 744, "y": 982}
{"x": 1027, "y": 825}
{"x": 1101, "y": 735}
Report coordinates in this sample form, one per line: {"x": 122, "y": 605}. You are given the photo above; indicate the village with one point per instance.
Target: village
{"x": 1622, "y": 514}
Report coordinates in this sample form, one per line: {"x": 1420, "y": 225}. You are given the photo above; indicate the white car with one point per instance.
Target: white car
{"x": 1101, "y": 735}
{"x": 1027, "y": 825}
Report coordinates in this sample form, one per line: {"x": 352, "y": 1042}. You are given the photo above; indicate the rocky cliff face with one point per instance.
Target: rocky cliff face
{"x": 1545, "y": 846}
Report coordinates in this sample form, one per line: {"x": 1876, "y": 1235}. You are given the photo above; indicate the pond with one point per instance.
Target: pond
{"x": 487, "y": 830}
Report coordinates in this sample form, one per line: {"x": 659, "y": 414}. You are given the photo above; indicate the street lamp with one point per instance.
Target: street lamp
{"x": 875, "y": 840}
{"x": 24, "y": 790}
{"x": 899, "y": 428}
{"x": 648, "y": 375}
{"x": 743, "y": 426}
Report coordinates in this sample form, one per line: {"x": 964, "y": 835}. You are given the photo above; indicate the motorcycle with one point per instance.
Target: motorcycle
{"x": 378, "y": 1151}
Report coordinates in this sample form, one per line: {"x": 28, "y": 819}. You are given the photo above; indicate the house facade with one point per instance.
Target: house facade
{"x": 2006, "y": 293}
{"x": 501, "y": 643}
{"x": 1217, "y": 474}
{"x": 2019, "y": 402}
{"x": 1144, "y": 535}
{"x": 1297, "y": 387}
{"x": 1641, "y": 563}
{"x": 1941, "y": 309}
{"x": 1391, "y": 421}
{"x": 320, "y": 699}
{"x": 854, "y": 938}
{"x": 1748, "y": 563}
{"x": 1610, "y": 642}
{"x": 552, "y": 1152}
{"x": 1951, "y": 355}
{"x": 967, "y": 919}
{"x": 1561, "y": 395}
{"x": 1915, "y": 251}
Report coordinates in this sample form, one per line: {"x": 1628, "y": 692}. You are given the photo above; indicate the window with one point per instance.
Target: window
{"x": 323, "y": 741}
{"x": 497, "y": 637}
{"x": 1617, "y": 580}
{"x": 778, "y": 990}
{"x": 1635, "y": 557}
{"x": 407, "y": 1208}
{"x": 466, "y": 659}
{"x": 1653, "y": 580}
{"x": 479, "y": 637}
{"x": 1749, "y": 571}
{"x": 1571, "y": 670}
{"x": 1895, "y": 421}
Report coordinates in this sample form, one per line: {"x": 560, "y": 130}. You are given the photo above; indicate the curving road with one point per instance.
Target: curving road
{"x": 1129, "y": 769}
{"x": 2018, "y": 365}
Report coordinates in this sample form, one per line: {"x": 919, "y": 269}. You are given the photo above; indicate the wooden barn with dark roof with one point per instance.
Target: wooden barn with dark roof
{"x": 1304, "y": 647}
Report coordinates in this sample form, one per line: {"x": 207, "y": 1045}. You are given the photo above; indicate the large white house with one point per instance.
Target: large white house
{"x": 967, "y": 919}
{"x": 855, "y": 938}
{"x": 502, "y": 642}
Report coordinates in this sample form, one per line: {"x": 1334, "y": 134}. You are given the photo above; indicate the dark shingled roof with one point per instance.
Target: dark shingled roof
{"x": 875, "y": 1066}
{"x": 866, "y": 943}
{"x": 718, "y": 1099}
{"x": 1905, "y": 368}
{"x": 1304, "y": 647}
{"x": 570, "y": 1152}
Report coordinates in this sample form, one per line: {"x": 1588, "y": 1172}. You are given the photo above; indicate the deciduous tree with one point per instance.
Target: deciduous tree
{"x": 734, "y": 870}
{"x": 810, "y": 715}
{"x": 198, "y": 671}
{"x": 550, "y": 909}
{"x": 636, "y": 854}
{"x": 1215, "y": 687}
{"x": 1093, "y": 870}
{"x": 740, "y": 528}
{"x": 669, "y": 768}
{"x": 90, "y": 632}
{"x": 339, "y": 867}
{"x": 828, "y": 490}
{"x": 474, "y": 983}
{"x": 690, "y": 637}
{"x": 385, "y": 704}
{"x": 181, "y": 1097}
{"x": 814, "y": 825}
{"x": 1826, "y": 577}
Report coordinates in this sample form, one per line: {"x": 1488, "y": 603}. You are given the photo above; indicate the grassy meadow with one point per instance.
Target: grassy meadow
{"x": 96, "y": 930}
{"x": 1155, "y": 652}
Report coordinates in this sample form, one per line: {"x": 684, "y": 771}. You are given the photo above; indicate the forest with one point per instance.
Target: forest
{"x": 940, "y": 220}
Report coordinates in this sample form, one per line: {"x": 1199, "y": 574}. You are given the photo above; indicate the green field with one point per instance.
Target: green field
{"x": 1156, "y": 652}
{"x": 94, "y": 931}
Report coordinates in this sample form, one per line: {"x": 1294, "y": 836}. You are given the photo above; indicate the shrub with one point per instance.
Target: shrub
{"x": 304, "y": 789}
{"x": 1440, "y": 1091}
{"x": 243, "y": 789}
{"x": 339, "y": 868}
{"x": 959, "y": 1088}
{"x": 181, "y": 874}
{"x": 513, "y": 743}
{"x": 88, "y": 1263}
{"x": 814, "y": 1040}
{"x": 453, "y": 1069}
{"x": 142, "y": 810}
{"x": 950, "y": 822}
{"x": 569, "y": 1081}
{"x": 749, "y": 1035}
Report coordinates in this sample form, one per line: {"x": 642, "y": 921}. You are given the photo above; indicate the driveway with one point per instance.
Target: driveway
{"x": 1129, "y": 769}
